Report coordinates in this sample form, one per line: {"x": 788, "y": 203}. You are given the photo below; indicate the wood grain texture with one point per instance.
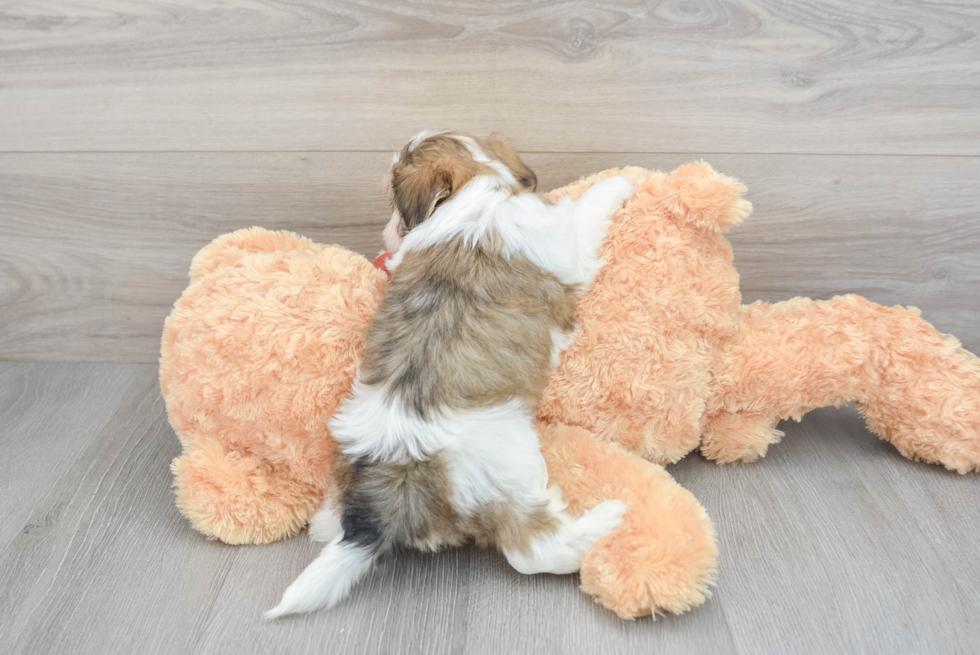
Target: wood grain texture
{"x": 37, "y": 444}
{"x": 95, "y": 247}
{"x": 796, "y": 76}
{"x": 868, "y": 572}
{"x": 832, "y": 543}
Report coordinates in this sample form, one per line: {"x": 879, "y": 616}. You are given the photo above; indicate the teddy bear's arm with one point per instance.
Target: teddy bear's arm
{"x": 663, "y": 556}
{"x": 916, "y": 388}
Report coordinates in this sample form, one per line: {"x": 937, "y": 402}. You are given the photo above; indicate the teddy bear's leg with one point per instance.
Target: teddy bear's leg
{"x": 240, "y": 498}
{"x": 663, "y": 556}
{"x": 738, "y": 436}
{"x": 916, "y": 388}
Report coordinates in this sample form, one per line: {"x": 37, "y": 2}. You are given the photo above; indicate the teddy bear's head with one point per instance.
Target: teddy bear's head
{"x": 256, "y": 355}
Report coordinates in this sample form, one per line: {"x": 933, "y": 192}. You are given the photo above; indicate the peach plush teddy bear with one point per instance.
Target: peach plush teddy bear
{"x": 263, "y": 345}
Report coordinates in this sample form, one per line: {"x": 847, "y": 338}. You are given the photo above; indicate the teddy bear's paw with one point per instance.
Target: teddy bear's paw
{"x": 962, "y": 457}
{"x": 950, "y": 443}
{"x": 926, "y": 402}
{"x": 662, "y": 558}
{"x": 238, "y": 498}
{"x": 738, "y": 437}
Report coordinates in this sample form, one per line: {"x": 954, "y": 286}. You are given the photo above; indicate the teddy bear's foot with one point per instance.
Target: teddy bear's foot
{"x": 928, "y": 403}
{"x": 738, "y": 436}
{"x": 238, "y": 498}
{"x": 956, "y": 448}
{"x": 663, "y": 556}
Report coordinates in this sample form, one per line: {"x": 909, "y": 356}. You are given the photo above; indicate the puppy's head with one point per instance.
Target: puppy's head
{"x": 434, "y": 166}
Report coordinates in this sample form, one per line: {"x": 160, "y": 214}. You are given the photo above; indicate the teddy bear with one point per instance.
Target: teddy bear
{"x": 263, "y": 344}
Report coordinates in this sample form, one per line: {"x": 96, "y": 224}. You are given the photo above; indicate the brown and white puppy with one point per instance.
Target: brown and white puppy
{"x": 436, "y": 444}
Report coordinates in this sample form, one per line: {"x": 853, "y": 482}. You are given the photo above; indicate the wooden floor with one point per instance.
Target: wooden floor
{"x": 832, "y": 544}
{"x": 132, "y": 133}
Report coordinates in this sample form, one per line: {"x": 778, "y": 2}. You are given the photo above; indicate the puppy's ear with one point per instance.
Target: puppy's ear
{"x": 417, "y": 193}
{"x": 503, "y": 151}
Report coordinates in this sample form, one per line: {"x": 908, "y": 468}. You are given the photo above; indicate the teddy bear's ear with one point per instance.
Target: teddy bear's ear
{"x": 227, "y": 249}
{"x": 705, "y": 198}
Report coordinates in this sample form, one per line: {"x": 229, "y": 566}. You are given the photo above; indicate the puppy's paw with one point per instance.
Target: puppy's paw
{"x": 607, "y": 516}
{"x": 616, "y": 190}
{"x": 607, "y": 197}
{"x": 325, "y": 524}
{"x": 596, "y": 207}
{"x": 599, "y": 521}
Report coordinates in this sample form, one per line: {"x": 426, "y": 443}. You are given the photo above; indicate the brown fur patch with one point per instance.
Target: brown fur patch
{"x": 464, "y": 328}
{"x": 429, "y": 174}
{"x": 501, "y": 149}
{"x": 409, "y": 502}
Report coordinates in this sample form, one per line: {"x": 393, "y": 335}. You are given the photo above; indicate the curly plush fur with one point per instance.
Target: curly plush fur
{"x": 263, "y": 344}
{"x": 668, "y": 360}
{"x": 256, "y": 356}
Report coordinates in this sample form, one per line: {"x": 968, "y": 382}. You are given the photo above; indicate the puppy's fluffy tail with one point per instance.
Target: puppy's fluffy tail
{"x": 328, "y": 579}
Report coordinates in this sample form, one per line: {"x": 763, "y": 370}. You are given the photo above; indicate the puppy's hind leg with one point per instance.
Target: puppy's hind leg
{"x": 326, "y": 524}
{"x": 560, "y": 551}
{"x": 342, "y": 562}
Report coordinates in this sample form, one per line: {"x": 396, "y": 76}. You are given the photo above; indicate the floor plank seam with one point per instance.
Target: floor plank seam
{"x": 327, "y": 151}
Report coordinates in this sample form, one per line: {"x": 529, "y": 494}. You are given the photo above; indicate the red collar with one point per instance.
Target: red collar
{"x": 381, "y": 261}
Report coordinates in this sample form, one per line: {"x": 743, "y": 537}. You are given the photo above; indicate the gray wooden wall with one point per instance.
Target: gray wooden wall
{"x": 133, "y": 133}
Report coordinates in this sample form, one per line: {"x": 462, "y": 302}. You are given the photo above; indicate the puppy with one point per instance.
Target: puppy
{"x": 436, "y": 443}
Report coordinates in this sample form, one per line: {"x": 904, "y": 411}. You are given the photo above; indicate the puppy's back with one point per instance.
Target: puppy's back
{"x": 466, "y": 327}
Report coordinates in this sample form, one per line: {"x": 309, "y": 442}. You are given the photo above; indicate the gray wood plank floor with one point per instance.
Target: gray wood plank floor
{"x": 832, "y": 544}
